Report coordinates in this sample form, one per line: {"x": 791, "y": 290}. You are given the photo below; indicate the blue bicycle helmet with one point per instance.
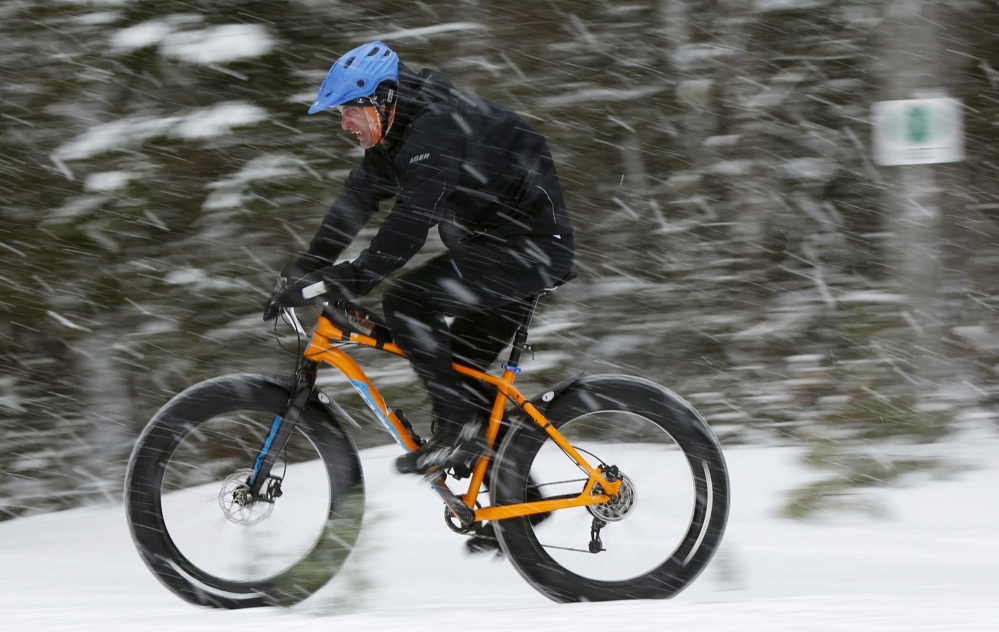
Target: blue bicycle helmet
{"x": 356, "y": 75}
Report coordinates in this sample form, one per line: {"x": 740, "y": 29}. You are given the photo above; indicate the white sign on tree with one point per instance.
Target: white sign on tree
{"x": 918, "y": 131}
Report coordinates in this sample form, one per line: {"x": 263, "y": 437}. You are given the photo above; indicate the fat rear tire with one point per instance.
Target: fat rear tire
{"x": 653, "y": 420}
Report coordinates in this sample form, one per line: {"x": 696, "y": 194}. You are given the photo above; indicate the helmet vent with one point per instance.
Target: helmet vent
{"x": 356, "y": 75}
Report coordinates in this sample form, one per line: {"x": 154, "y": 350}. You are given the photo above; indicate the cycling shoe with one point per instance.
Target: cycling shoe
{"x": 452, "y": 446}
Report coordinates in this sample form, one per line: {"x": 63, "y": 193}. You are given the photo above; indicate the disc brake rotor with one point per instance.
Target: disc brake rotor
{"x": 237, "y": 503}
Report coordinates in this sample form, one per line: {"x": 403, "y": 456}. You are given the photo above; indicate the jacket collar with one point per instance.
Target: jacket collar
{"x": 416, "y": 92}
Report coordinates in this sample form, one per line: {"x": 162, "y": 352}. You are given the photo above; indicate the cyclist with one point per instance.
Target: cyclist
{"x": 487, "y": 180}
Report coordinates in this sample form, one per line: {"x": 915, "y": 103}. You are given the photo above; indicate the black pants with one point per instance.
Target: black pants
{"x": 485, "y": 286}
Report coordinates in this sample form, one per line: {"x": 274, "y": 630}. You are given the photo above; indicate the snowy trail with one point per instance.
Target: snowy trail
{"x": 931, "y": 564}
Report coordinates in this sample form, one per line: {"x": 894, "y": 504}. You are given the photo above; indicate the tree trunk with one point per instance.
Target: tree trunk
{"x": 913, "y": 70}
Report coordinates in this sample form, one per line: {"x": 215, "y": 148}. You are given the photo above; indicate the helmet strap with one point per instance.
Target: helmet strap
{"x": 391, "y": 118}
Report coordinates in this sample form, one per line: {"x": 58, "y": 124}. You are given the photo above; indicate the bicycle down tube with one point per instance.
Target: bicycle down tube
{"x": 321, "y": 348}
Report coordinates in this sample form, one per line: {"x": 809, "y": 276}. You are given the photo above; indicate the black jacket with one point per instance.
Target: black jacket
{"x": 456, "y": 160}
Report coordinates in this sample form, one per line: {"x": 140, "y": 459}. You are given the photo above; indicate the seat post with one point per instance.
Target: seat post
{"x": 520, "y": 340}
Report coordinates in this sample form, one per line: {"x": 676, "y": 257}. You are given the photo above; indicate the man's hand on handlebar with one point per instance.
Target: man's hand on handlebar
{"x": 295, "y": 288}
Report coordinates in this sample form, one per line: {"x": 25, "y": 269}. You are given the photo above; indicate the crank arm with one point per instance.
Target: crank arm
{"x": 460, "y": 510}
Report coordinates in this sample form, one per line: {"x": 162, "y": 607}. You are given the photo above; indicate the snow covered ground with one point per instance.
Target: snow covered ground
{"x": 931, "y": 563}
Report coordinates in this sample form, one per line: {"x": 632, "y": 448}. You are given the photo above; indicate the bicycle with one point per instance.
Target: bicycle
{"x": 246, "y": 490}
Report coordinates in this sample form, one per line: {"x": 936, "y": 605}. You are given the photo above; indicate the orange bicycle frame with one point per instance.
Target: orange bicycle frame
{"x": 323, "y": 348}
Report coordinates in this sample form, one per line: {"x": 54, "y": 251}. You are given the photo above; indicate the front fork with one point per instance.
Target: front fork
{"x": 281, "y": 429}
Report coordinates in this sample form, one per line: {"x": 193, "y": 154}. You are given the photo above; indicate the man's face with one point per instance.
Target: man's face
{"x": 356, "y": 121}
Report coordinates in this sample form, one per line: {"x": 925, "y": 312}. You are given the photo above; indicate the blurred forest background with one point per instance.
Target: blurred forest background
{"x": 736, "y": 241}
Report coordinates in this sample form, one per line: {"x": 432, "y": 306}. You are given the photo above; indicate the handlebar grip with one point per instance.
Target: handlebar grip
{"x": 314, "y": 290}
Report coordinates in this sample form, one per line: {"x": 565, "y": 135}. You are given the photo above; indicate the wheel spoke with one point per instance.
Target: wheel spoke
{"x": 664, "y": 457}
{"x": 190, "y": 508}
{"x": 256, "y": 539}
{"x": 622, "y": 558}
{"x": 566, "y": 548}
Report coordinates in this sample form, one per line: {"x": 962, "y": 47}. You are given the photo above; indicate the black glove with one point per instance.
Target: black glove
{"x": 340, "y": 283}
{"x": 289, "y": 275}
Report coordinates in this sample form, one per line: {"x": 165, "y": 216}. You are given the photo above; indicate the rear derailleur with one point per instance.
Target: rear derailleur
{"x": 611, "y": 473}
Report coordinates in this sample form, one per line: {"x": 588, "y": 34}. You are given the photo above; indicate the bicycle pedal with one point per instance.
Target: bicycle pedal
{"x": 478, "y": 545}
{"x": 464, "y": 470}
{"x": 408, "y": 426}
{"x": 483, "y": 540}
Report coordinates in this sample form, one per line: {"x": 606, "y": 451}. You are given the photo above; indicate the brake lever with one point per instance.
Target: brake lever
{"x": 289, "y": 317}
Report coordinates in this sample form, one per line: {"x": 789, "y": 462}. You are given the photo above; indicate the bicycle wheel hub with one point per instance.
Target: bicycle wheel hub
{"x": 618, "y": 506}
{"x": 237, "y": 503}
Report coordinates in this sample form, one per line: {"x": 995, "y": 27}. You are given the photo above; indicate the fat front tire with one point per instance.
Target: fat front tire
{"x": 661, "y": 530}
{"x": 184, "y": 476}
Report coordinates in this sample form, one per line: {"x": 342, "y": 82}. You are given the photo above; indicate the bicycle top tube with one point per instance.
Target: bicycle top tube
{"x": 323, "y": 347}
{"x": 326, "y": 335}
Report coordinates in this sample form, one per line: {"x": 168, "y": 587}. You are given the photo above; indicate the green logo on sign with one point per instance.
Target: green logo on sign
{"x": 918, "y": 125}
